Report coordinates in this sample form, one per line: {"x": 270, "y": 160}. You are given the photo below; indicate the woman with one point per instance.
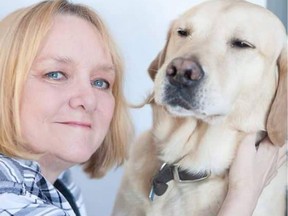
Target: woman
{"x": 62, "y": 104}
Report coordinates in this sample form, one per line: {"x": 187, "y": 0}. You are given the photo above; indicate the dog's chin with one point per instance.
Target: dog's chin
{"x": 209, "y": 111}
{"x": 210, "y": 118}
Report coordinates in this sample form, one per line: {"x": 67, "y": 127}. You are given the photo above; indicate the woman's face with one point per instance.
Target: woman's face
{"x": 67, "y": 101}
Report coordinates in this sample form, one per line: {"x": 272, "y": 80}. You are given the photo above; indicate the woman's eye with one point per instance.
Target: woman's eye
{"x": 55, "y": 75}
{"x": 101, "y": 83}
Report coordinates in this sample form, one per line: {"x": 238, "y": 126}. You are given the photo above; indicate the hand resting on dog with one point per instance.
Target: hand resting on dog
{"x": 250, "y": 172}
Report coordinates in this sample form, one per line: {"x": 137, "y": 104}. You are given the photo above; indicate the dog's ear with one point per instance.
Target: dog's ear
{"x": 159, "y": 60}
{"x": 156, "y": 64}
{"x": 277, "y": 118}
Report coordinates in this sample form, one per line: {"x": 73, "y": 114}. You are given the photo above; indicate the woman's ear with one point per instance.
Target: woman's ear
{"x": 159, "y": 60}
{"x": 277, "y": 118}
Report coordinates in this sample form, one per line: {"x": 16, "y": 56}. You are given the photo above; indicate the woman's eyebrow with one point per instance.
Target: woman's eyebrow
{"x": 63, "y": 59}
{"x": 105, "y": 67}
{"x": 58, "y": 59}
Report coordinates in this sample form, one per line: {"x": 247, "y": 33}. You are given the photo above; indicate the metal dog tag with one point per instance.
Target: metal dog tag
{"x": 152, "y": 193}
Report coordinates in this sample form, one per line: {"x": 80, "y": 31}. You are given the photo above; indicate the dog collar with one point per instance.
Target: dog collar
{"x": 170, "y": 172}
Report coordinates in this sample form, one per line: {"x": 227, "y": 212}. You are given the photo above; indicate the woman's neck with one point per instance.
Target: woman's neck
{"x": 52, "y": 167}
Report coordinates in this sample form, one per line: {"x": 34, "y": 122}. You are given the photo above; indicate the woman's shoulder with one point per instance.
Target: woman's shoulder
{"x": 24, "y": 190}
{"x": 15, "y": 174}
{"x": 11, "y": 173}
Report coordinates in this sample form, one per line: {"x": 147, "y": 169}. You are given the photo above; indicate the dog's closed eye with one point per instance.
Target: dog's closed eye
{"x": 242, "y": 44}
{"x": 182, "y": 32}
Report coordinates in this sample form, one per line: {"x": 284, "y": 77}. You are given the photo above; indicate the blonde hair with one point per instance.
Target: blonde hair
{"x": 21, "y": 34}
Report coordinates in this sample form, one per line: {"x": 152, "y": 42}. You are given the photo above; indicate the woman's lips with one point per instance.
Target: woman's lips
{"x": 76, "y": 124}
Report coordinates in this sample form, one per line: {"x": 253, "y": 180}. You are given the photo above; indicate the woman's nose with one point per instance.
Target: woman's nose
{"x": 83, "y": 97}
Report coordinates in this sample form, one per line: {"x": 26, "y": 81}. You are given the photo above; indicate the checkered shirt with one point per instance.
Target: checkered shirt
{"x": 24, "y": 191}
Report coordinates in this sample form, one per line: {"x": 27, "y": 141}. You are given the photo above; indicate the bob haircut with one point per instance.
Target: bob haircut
{"x": 21, "y": 34}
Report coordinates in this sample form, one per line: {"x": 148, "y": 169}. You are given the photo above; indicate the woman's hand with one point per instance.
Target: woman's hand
{"x": 250, "y": 172}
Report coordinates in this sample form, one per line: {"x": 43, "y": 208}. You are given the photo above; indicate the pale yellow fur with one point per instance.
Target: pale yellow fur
{"x": 239, "y": 84}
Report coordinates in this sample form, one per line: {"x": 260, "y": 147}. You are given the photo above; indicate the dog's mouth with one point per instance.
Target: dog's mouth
{"x": 179, "y": 106}
{"x": 197, "y": 105}
{"x": 179, "y": 102}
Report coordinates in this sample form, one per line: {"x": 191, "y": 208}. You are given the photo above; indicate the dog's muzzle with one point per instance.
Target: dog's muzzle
{"x": 183, "y": 80}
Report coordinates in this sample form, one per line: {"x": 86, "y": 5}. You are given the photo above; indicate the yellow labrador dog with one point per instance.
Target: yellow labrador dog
{"x": 221, "y": 75}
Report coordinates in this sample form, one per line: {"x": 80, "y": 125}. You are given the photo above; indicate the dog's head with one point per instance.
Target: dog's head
{"x": 225, "y": 59}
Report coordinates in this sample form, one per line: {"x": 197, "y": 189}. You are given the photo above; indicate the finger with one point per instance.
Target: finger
{"x": 247, "y": 147}
{"x": 268, "y": 153}
{"x": 281, "y": 161}
{"x": 267, "y": 145}
{"x": 271, "y": 177}
{"x": 248, "y": 141}
{"x": 283, "y": 150}
{"x": 282, "y": 156}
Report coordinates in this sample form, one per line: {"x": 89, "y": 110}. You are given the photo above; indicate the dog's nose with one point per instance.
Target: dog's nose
{"x": 184, "y": 71}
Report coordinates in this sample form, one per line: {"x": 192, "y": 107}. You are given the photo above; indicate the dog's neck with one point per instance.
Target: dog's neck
{"x": 200, "y": 145}
{"x": 194, "y": 144}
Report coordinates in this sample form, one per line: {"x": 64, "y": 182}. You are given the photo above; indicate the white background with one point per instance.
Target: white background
{"x": 139, "y": 28}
